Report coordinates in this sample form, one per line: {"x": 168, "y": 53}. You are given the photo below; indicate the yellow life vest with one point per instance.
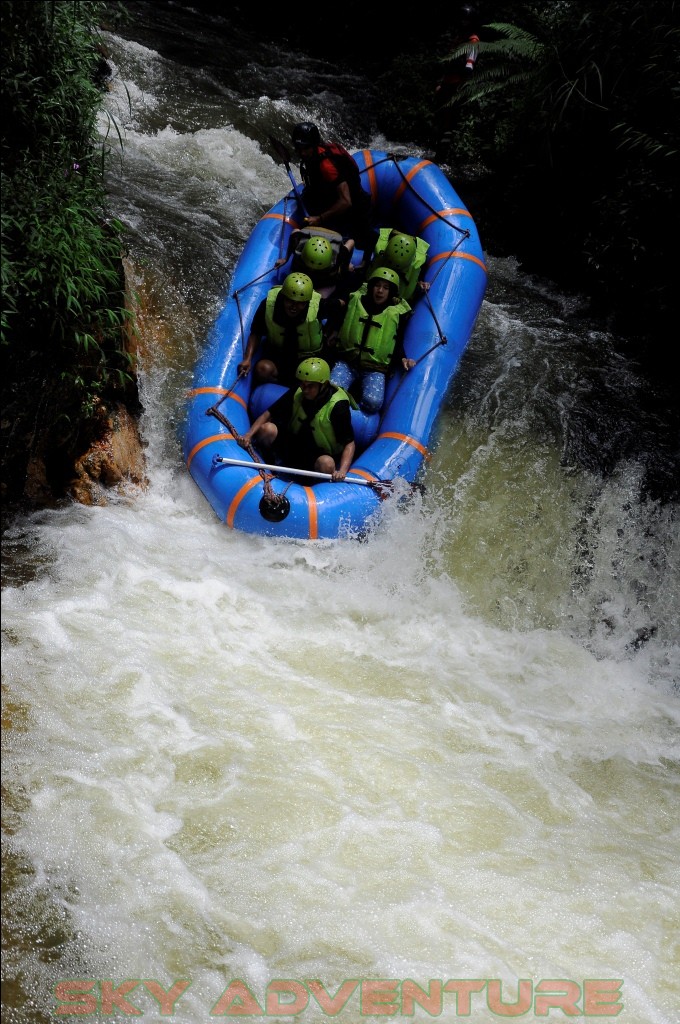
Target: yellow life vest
{"x": 369, "y": 340}
{"x": 321, "y": 426}
{"x": 309, "y": 332}
{"x": 409, "y": 278}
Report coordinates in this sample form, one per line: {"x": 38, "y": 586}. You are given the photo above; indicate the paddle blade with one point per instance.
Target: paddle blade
{"x": 279, "y": 149}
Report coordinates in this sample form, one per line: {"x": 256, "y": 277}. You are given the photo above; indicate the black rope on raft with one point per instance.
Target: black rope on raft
{"x": 273, "y": 501}
{"x": 463, "y": 232}
{"x": 443, "y": 340}
{"x": 442, "y": 336}
{"x": 213, "y": 408}
{"x": 236, "y": 296}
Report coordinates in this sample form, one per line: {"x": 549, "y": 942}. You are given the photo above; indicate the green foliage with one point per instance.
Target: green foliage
{"x": 573, "y": 111}
{"x": 62, "y": 283}
{"x": 516, "y": 60}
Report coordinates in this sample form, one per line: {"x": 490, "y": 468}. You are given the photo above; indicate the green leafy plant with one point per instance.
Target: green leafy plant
{"x": 64, "y": 314}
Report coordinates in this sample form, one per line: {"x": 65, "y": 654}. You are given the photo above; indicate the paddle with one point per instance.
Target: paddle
{"x": 281, "y": 150}
{"x": 298, "y": 472}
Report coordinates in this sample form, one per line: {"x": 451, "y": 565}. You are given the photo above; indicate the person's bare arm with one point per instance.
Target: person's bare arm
{"x": 341, "y": 204}
{"x": 247, "y": 438}
{"x": 345, "y": 461}
{"x": 246, "y": 362}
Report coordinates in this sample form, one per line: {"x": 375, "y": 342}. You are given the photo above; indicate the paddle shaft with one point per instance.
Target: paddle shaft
{"x": 295, "y": 189}
{"x": 285, "y": 156}
{"x": 295, "y": 472}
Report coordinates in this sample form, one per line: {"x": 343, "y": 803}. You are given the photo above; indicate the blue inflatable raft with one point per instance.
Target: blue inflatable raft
{"x": 412, "y": 195}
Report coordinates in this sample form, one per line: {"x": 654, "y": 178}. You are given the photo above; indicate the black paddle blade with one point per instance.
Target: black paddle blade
{"x": 383, "y": 488}
{"x": 388, "y": 489}
{"x": 280, "y": 149}
{"x": 275, "y": 508}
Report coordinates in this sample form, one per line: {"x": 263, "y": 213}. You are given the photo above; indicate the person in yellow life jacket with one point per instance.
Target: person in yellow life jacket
{"x": 407, "y": 254}
{"x": 324, "y": 256}
{"x": 288, "y": 326}
{"x": 370, "y": 342}
{"x": 310, "y": 426}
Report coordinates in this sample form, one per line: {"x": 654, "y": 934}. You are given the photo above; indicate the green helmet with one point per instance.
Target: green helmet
{"x": 314, "y": 369}
{"x": 298, "y": 287}
{"x": 317, "y": 253}
{"x": 385, "y": 274}
{"x": 399, "y": 251}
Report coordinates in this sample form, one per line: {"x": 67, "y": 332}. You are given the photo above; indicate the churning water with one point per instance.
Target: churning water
{"x": 450, "y": 752}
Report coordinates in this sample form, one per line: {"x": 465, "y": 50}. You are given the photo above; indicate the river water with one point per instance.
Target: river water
{"x": 448, "y": 753}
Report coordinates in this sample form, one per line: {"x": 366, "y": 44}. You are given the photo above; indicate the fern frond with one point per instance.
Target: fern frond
{"x": 517, "y": 46}
{"x": 633, "y": 138}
